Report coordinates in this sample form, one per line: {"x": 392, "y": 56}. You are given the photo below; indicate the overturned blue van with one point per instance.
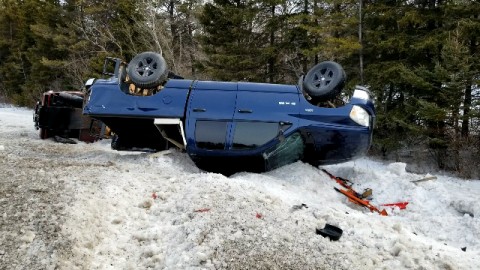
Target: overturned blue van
{"x": 228, "y": 127}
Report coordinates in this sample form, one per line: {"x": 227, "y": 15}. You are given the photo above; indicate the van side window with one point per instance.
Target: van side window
{"x": 250, "y": 135}
{"x": 211, "y": 134}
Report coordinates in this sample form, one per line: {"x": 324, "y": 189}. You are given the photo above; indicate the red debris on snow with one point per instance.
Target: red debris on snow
{"x": 401, "y": 205}
{"x": 258, "y": 215}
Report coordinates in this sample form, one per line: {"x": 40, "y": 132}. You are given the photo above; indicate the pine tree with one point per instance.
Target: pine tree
{"x": 232, "y": 42}
{"x": 46, "y": 58}
{"x": 403, "y": 43}
{"x": 14, "y": 41}
{"x": 26, "y": 45}
{"x": 464, "y": 27}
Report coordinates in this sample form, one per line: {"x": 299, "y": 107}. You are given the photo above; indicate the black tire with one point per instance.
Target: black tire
{"x": 115, "y": 144}
{"x": 64, "y": 140}
{"x": 43, "y": 133}
{"x": 325, "y": 80}
{"x": 147, "y": 70}
{"x": 71, "y": 99}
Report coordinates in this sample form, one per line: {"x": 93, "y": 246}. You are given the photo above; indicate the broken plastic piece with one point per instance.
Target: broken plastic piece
{"x": 401, "y": 205}
{"x": 299, "y": 206}
{"x": 330, "y": 231}
{"x": 351, "y": 195}
{"x": 428, "y": 178}
{"x": 367, "y": 193}
{"x": 64, "y": 140}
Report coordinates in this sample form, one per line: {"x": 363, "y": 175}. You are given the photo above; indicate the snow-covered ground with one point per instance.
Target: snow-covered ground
{"x": 85, "y": 206}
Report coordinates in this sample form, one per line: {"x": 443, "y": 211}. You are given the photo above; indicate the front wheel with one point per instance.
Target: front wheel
{"x": 325, "y": 80}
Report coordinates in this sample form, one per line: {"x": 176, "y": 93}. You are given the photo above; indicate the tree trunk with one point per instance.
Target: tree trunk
{"x": 467, "y": 103}
{"x": 173, "y": 28}
{"x": 360, "y": 38}
{"x": 315, "y": 41}
{"x": 271, "y": 59}
{"x": 192, "y": 47}
{"x": 304, "y": 58}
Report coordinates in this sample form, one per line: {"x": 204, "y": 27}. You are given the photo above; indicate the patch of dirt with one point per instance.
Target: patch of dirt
{"x": 32, "y": 202}
{"x": 36, "y": 186}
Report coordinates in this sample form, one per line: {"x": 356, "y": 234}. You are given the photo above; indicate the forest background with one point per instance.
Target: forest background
{"x": 420, "y": 58}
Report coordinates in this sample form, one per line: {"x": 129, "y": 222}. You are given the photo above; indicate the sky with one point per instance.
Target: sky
{"x": 135, "y": 210}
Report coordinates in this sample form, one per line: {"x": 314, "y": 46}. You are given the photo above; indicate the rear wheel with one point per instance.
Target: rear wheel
{"x": 147, "y": 70}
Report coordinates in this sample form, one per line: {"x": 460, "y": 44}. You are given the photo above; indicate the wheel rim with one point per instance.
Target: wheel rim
{"x": 146, "y": 67}
{"x": 323, "y": 77}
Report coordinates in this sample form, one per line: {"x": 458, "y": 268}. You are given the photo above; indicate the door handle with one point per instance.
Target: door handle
{"x": 245, "y": 111}
{"x": 199, "y": 110}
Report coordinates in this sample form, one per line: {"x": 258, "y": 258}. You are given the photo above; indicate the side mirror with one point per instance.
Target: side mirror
{"x": 111, "y": 66}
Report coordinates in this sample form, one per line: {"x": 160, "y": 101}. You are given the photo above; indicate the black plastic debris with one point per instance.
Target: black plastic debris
{"x": 298, "y": 207}
{"x": 64, "y": 140}
{"x": 464, "y": 249}
{"x": 330, "y": 231}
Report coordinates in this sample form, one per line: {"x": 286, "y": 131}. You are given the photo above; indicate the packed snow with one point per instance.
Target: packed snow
{"x": 134, "y": 210}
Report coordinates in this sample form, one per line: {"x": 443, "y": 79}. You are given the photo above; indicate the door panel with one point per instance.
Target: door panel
{"x": 212, "y": 104}
{"x": 208, "y": 116}
{"x": 267, "y": 106}
{"x": 262, "y": 116}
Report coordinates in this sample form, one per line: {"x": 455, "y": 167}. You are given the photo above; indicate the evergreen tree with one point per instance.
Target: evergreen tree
{"x": 334, "y": 24}
{"x": 27, "y": 43}
{"x": 46, "y": 72}
{"x": 403, "y": 42}
{"x": 464, "y": 30}
{"x": 14, "y": 41}
{"x": 232, "y": 42}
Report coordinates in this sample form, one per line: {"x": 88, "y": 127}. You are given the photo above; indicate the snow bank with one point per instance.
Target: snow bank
{"x": 131, "y": 210}
{"x": 164, "y": 213}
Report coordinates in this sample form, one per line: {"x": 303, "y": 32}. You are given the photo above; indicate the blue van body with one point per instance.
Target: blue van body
{"x": 228, "y": 127}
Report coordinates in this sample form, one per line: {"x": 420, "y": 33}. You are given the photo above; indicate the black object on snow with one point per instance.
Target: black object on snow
{"x": 64, "y": 140}
{"x": 333, "y": 232}
{"x": 299, "y": 206}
